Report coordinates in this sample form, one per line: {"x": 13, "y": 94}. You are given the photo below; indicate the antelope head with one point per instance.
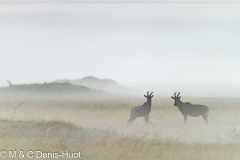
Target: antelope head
{"x": 149, "y": 96}
{"x": 176, "y": 98}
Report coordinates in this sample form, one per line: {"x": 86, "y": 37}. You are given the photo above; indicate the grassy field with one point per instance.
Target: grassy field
{"x": 98, "y": 128}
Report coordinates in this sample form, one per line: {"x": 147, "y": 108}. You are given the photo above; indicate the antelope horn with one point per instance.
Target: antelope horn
{"x": 151, "y": 93}
{"x": 147, "y": 93}
{"x": 175, "y": 94}
{"x": 178, "y": 94}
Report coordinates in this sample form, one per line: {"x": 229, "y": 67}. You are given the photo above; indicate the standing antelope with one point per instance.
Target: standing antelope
{"x": 188, "y": 109}
{"x": 143, "y": 110}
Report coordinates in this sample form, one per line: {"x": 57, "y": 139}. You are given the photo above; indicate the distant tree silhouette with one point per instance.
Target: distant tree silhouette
{"x": 9, "y": 83}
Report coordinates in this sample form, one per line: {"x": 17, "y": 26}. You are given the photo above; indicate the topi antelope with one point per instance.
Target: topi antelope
{"x": 188, "y": 109}
{"x": 143, "y": 110}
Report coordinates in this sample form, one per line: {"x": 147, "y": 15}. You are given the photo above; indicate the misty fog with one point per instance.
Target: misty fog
{"x": 191, "y": 47}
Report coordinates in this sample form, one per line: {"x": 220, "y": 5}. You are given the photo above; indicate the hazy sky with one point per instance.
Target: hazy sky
{"x": 175, "y": 45}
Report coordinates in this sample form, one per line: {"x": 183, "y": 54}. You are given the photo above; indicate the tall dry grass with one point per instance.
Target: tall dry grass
{"x": 99, "y": 130}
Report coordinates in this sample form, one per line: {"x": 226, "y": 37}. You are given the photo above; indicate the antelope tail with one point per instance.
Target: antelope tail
{"x": 207, "y": 112}
{"x": 130, "y": 118}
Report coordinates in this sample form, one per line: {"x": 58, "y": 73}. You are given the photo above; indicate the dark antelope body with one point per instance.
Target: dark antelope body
{"x": 188, "y": 109}
{"x": 143, "y": 110}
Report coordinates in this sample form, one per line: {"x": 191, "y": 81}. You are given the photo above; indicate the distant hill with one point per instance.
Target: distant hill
{"x": 106, "y": 85}
{"x": 87, "y": 87}
{"x": 50, "y": 90}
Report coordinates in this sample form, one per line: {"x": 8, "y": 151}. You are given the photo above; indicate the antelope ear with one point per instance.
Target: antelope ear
{"x": 179, "y": 97}
{"x": 172, "y": 97}
{"x": 145, "y": 96}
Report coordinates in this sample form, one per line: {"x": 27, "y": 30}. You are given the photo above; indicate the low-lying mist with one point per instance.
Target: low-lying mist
{"x": 166, "y": 121}
{"x": 192, "y": 90}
